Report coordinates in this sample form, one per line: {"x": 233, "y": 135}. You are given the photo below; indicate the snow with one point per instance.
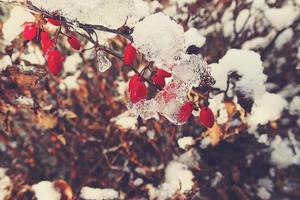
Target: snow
{"x": 284, "y": 38}
{"x": 241, "y": 19}
{"x": 97, "y": 12}
{"x": 248, "y": 65}
{"x": 70, "y": 82}
{"x": 25, "y": 100}
{"x": 181, "y": 3}
{"x": 5, "y": 61}
{"x": 193, "y": 37}
{"x": 71, "y": 63}
{"x": 155, "y": 35}
{"x": 125, "y": 120}
{"x": 89, "y": 193}
{"x": 46, "y": 187}
{"x": 177, "y": 178}
{"x": 13, "y": 26}
{"x": 259, "y": 42}
{"x": 294, "y": 106}
{"x": 205, "y": 142}
{"x": 282, "y": 154}
{"x": 185, "y": 142}
{"x": 33, "y": 55}
{"x": 281, "y": 18}
{"x": 5, "y": 184}
{"x": 267, "y": 108}
{"x": 263, "y": 193}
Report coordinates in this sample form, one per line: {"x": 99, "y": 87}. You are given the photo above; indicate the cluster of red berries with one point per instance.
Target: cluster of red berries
{"x": 138, "y": 90}
{"x": 206, "y": 116}
{"x": 53, "y": 56}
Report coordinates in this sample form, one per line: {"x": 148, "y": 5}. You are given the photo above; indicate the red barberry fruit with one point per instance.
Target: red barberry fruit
{"x": 30, "y": 30}
{"x": 185, "y": 111}
{"x": 54, "y": 61}
{"x": 133, "y": 81}
{"x": 74, "y": 42}
{"x": 159, "y": 81}
{"x": 163, "y": 73}
{"x": 206, "y": 117}
{"x": 54, "y": 22}
{"x": 44, "y": 36}
{"x": 46, "y": 42}
{"x": 138, "y": 92}
{"x": 129, "y": 54}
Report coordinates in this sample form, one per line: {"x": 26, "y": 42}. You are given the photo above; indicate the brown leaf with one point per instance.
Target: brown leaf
{"x": 64, "y": 188}
{"x": 215, "y": 134}
{"x": 46, "y": 120}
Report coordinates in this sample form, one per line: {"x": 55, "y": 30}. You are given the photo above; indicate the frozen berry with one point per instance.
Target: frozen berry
{"x": 30, "y": 30}
{"x": 206, "y": 117}
{"x": 185, "y": 111}
{"x": 129, "y": 54}
{"x": 74, "y": 42}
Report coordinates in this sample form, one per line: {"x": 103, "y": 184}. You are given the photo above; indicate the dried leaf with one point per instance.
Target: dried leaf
{"x": 215, "y": 134}
{"x": 64, "y": 188}
{"x": 46, "y": 120}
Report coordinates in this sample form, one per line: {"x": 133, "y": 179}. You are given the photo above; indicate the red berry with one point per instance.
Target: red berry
{"x": 54, "y": 22}
{"x": 44, "y": 36}
{"x": 163, "y": 73}
{"x": 206, "y": 117}
{"x": 30, "y": 30}
{"x": 185, "y": 111}
{"x": 55, "y": 61}
{"x": 46, "y": 42}
{"x": 159, "y": 81}
{"x": 129, "y": 54}
{"x": 133, "y": 81}
{"x": 138, "y": 92}
{"x": 74, "y": 42}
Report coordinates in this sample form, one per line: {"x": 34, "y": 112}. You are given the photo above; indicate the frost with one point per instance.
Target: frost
{"x": 102, "y": 61}
{"x": 185, "y": 142}
{"x": 248, "y": 65}
{"x": 283, "y": 17}
{"x": 193, "y": 37}
{"x": 267, "y": 108}
{"x": 155, "y": 37}
{"x": 89, "y": 193}
{"x": 46, "y": 187}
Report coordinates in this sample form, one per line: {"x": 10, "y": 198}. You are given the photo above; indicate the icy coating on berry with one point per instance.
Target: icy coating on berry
{"x": 102, "y": 61}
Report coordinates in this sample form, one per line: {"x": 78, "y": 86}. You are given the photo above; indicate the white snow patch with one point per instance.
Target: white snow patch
{"x": 125, "y": 120}
{"x": 155, "y": 35}
{"x": 185, "y": 142}
{"x": 45, "y": 190}
{"x": 193, "y": 37}
{"x": 89, "y": 193}
{"x": 283, "y": 17}
{"x": 267, "y": 108}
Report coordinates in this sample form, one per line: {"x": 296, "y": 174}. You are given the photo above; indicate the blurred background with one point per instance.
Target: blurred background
{"x": 74, "y": 131}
